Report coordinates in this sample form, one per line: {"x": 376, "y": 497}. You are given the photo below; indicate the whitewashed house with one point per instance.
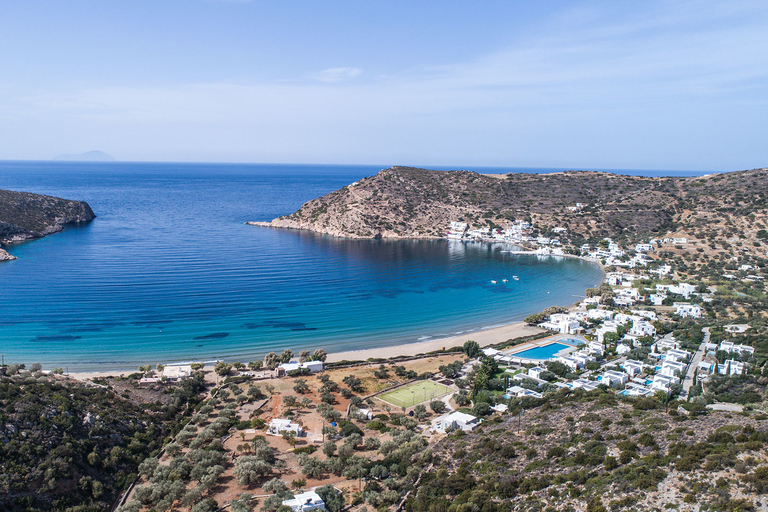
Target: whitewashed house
{"x": 672, "y": 368}
{"x": 536, "y": 372}
{"x": 596, "y": 347}
{"x": 177, "y": 372}
{"x": 458, "y": 420}
{"x": 632, "y": 367}
{"x": 685, "y": 309}
{"x": 305, "y": 501}
{"x": 586, "y": 385}
{"x": 600, "y": 314}
{"x": 521, "y": 392}
{"x": 612, "y": 378}
{"x": 675, "y": 354}
{"x": 642, "y": 328}
{"x": 279, "y": 425}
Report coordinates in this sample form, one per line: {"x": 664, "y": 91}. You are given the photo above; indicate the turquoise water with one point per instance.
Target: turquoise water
{"x": 543, "y": 352}
{"x": 168, "y": 271}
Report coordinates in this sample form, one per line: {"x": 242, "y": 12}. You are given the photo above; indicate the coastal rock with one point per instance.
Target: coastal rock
{"x": 4, "y": 256}
{"x": 406, "y": 202}
{"x": 25, "y": 216}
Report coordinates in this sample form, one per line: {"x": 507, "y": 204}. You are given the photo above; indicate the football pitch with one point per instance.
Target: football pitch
{"x": 415, "y": 393}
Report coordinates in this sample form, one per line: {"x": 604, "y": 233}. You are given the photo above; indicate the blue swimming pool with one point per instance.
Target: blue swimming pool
{"x": 542, "y": 353}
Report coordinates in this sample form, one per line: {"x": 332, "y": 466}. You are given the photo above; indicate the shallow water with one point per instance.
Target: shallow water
{"x": 168, "y": 271}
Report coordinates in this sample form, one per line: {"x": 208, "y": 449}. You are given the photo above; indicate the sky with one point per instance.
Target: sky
{"x": 577, "y": 84}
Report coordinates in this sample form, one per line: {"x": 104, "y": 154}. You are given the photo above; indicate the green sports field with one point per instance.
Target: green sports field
{"x": 415, "y": 393}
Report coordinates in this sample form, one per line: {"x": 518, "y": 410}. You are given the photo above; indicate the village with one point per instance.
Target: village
{"x": 301, "y": 434}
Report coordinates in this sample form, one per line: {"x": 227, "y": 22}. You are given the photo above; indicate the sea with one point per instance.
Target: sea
{"x": 169, "y": 271}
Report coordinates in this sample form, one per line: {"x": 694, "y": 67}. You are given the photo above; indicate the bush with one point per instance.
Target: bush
{"x": 437, "y": 406}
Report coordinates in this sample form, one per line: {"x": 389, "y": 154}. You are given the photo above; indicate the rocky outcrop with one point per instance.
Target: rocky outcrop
{"x": 4, "y": 256}
{"x": 406, "y": 202}
{"x": 25, "y": 216}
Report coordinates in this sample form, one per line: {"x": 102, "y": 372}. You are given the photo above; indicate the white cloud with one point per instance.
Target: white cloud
{"x": 337, "y": 74}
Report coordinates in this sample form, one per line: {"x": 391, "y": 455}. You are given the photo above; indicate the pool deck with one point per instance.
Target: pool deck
{"x": 557, "y": 338}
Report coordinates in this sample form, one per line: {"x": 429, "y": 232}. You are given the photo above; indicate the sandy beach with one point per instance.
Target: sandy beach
{"x": 484, "y": 338}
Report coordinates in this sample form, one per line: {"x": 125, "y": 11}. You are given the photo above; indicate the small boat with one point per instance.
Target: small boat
{"x": 515, "y": 278}
{"x": 493, "y": 282}
{"x": 504, "y": 281}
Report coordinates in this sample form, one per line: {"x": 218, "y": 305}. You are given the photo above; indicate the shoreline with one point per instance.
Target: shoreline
{"x": 484, "y": 337}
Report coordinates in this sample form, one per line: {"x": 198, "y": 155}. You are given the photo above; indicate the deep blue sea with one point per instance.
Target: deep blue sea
{"x": 168, "y": 271}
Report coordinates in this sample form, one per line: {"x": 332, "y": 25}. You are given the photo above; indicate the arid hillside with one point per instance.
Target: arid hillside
{"x": 25, "y": 216}
{"x": 405, "y": 202}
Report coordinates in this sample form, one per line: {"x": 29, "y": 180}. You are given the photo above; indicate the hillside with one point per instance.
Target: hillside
{"x": 65, "y": 445}
{"x": 406, "y": 202}
{"x": 25, "y": 216}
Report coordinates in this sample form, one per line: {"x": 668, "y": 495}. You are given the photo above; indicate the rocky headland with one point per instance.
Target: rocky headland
{"x": 406, "y": 202}
{"x": 25, "y": 216}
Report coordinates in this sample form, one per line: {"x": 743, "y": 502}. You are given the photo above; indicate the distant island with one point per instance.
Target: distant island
{"x": 88, "y": 156}
{"x": 25, "y": 216}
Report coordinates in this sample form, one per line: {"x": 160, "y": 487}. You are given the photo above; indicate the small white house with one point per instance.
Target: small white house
{"x": 279, "y": 425}
{"x": 521, "y": 392}
{"x": 612, "y": 378}
{"x": 675, "y": 354}
{"x": 622, "y": 349}
{"x": 536, "y": 372}
{"x": 312, "y": 366}
{"x": 586, "y": 385}
{"x": 672, "y": 368}
{"x": 596, "y": 347}
{"x": 500, "y": 408}
{"x": 662, "y": 382}
{"x": 457, "y": 420}
{"x": 686, "y": 309}
{"x": 632, "y": 367}
{"x": 177, "y": 372}
{"x": 309, "y": 500}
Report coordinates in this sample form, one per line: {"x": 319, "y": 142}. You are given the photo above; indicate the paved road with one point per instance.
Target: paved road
{"x": 688, "y": 381}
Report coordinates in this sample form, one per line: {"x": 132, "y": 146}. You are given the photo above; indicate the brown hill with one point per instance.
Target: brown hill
{"x": 406, "y": 202}
{"x": 25, "y": 216}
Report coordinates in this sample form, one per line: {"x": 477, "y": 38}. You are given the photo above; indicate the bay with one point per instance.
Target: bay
{"x": 168, "y": 271}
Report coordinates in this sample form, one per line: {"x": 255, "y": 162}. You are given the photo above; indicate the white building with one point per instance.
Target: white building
{"x": 612, "y": 378}
{"x": 729, "y": 346}
{"x": 600, "y": 314}
{"x": 177, "y": 372}
{"x": 642, "y": 328}
{"x": 644, "y": 247}
{"x": 622, "y": 349}
{"x": 458, "y": 420}
{"x": 686, "y": 309}
{"x": 536, "y": 372}
{"x": 675, "y": 354}
{"x": 279, "y": 425}
{"x": 672, "y": 368}
{"x": 596, "y": 347}
{"x": 632, "y": 367}
{"x": 521, "y": 392}
{"x": 309, "y": 500}
{"x": 312, "y": 366}
{"x": 586, "y": 385}
{"x": 657, "y": 299}
{"x": 663, "y": 382}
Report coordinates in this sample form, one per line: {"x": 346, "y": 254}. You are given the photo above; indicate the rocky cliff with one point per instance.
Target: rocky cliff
{"x": 405, "y": 202}
{"x": 25, "y": 216}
